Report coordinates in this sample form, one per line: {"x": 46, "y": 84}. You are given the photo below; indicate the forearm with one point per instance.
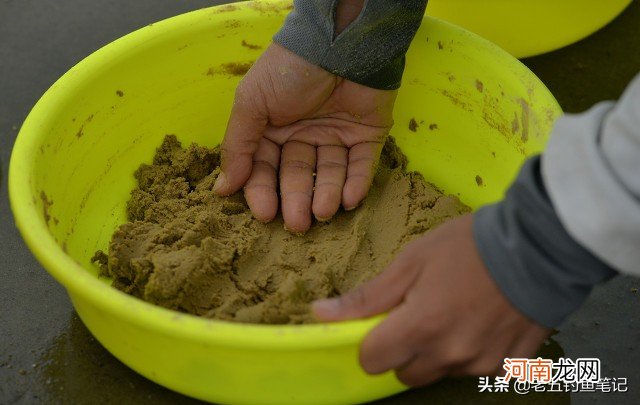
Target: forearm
{"x": 366, "y": 46}
{"x": 572, "y": 219}
{"x": 537, "y": 265}
{"x": 346, "y": 13}
{"x": 592, "y": 171}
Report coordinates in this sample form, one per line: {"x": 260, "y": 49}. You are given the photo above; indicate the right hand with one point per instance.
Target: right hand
{"x": 447, "y": 315}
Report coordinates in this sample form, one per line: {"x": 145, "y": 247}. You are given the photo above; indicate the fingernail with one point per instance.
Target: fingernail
{"x": 220, "y": 183}
{"x": 264, "y": 220}
{"x": 297, "y": 233}
{"x": 328, "y": 307}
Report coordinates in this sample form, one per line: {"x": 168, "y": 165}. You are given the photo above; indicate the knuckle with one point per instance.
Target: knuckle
{"x": 412, "y": 378}
{"x": 364, "y": 178}
{"x": 427, "y": 328}
{"x": 488, "y": 367}
{"x": 381, "y": 136}
{"x": 238, "y": 147}
{"x": 366, "y": 160}
{"x": 456, "y": 354}
{"x": 440, "y": 319}
{"x": 328, "y": 184}
{"x": 290, "y": 192}
{"x": 331, "y": 164}
{"x": 297, "y": 165}
{"x": 259, "y": 186}
{"x": 406, "y": 378}
{"x": 367, "y": 359}
{"x": 356, "y": 299}
{"x": 264, "y": 163}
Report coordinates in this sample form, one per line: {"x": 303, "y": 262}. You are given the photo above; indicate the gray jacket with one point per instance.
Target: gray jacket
{"x": 570, "y": 220}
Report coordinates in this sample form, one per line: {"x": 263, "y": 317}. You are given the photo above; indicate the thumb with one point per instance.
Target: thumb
{"x": 245, "y": 128}
{"x": 379, "y": 295}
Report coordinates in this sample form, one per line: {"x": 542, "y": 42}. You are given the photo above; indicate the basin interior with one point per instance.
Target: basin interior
{"x": 478, "y": 114}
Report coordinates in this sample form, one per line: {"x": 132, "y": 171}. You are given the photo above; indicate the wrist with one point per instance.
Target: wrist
{"x": 347, "y": 11}
{"x": 371, "y": 47}
{"x": 536, "y": 264}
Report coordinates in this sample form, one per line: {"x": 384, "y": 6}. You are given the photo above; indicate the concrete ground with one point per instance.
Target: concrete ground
{"x": 46, "y": 353}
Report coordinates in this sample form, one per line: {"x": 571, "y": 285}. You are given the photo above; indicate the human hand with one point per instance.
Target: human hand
{"x": 447, "y": 316}
{"x": 316, "y": 134}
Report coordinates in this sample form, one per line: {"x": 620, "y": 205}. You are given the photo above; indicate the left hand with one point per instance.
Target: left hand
{"x": 302, "y": 135}
{"x": 447, "y": 315}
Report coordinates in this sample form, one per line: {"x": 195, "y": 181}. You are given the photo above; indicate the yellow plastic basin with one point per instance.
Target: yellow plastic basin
{"x": 72, "y": 165}
{"x": 529, "y": 27}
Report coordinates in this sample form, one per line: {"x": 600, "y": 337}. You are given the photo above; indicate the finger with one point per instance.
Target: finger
{"x": 420, "y": 371}
{"x": 382, "y": 293}
{"x": 487, "y": 352}
{"x": 260, "y": 190}
{"x": 487, "y": 363}
{"x": 486, "y": 366}
{"x": 529, "y": 343}
{"x": 297, "y": 165}
{"x": 241, "y": 140}
{"x": 389, "y": 345}
{"x": 363, "y": 159}
{"x": 331, "y": 172}
{"x": 525, "y": 347}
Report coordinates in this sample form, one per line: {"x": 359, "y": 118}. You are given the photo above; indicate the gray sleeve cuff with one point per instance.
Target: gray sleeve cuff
{"x": 591, "y": 169}
{"x": 536, "y": 264}
{"x": 370, "y": 51}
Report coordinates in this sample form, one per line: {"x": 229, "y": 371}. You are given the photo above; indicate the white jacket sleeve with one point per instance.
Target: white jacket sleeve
{"x": 591, "y": 170}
